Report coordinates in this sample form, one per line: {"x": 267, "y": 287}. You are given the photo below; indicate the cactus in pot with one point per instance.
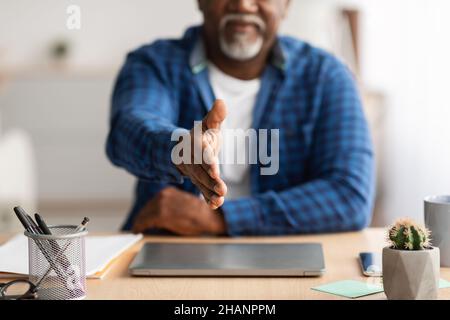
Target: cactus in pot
{"x": 407, "y": 235}
{"x": 410, "y": 263}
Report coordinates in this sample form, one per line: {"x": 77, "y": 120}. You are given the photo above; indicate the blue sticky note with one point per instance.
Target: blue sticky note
{"x": 444, "y": 284}
{"x": 356, "y": 289}
{"x": 350, "y": 288}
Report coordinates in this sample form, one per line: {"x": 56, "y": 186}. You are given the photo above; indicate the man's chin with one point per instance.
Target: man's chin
{"x": 237, "y": 50}
{"x": 243, "y": 36}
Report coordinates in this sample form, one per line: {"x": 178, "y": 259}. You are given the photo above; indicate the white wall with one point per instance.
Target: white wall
{"x": 406, "y": 54}
{"x": 67, "y": 119}
{"x": 109, "y": 28}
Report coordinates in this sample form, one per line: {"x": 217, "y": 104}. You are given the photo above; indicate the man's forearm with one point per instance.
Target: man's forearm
{"x": 143, "y": 147}
{"x": 318, "y": 206}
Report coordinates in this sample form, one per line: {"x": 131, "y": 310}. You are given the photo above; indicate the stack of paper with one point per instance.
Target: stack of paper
{"x": 100, "y": 252}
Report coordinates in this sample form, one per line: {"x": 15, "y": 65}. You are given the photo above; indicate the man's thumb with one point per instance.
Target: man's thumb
{"x": 216, "y": 115}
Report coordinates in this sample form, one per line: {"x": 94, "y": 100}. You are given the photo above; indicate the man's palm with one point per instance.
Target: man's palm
{"x": 206, "y": 176}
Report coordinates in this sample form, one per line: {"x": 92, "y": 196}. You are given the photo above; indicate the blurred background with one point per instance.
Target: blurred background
{"x": 55, "y": 86}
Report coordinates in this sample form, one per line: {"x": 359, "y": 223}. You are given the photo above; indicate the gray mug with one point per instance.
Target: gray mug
{"x": 437, "y": 219}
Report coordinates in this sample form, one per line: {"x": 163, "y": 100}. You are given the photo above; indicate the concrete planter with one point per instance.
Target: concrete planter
{"x": 411, "y": 274}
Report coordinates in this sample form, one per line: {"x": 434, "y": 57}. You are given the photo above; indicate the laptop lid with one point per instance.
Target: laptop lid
{"x": 236, "y": 259}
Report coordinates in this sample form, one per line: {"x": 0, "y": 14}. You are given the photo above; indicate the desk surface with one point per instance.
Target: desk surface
{"x": 341, "y": 260}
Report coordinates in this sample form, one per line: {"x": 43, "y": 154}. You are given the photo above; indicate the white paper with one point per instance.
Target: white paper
{"x": 100, "y": 251}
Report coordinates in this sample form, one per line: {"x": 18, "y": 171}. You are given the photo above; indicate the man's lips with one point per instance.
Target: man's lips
{"x": 242, "y": 26}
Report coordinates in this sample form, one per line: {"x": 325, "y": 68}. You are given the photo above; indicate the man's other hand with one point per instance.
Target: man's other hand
{"x": 206, "y": 176}
{"x": 179, "y": 212}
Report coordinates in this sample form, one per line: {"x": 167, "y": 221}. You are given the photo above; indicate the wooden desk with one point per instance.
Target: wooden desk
{"x": 341, "y": 260}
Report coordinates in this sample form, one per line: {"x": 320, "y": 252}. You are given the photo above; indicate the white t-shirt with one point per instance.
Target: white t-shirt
{"x": 240, "y": 98}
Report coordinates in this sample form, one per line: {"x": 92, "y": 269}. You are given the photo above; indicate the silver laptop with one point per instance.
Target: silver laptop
{"x": 237, "y": 259}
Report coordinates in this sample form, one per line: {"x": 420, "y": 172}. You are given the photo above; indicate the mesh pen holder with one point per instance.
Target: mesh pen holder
{"x": 57, "y": 263}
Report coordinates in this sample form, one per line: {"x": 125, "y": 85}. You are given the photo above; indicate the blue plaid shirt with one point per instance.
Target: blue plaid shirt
{"x": 326, "y": 178}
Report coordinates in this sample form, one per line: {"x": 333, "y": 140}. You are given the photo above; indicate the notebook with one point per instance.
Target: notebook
{"x": 100, "y": 253}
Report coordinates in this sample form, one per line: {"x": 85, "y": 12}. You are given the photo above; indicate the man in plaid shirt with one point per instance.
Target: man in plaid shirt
{"x": 325, "y": 164}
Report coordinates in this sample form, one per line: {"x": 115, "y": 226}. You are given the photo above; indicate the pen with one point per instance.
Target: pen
{"x": 56, "y": 249}
{"x": 42, "y": 225}
{"x": 82, "y": 225}
{"x": 33, "y": 224}
{"x": 22, "y": 216}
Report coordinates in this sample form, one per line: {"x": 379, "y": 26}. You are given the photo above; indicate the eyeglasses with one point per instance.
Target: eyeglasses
{"x": 18, "y": 290}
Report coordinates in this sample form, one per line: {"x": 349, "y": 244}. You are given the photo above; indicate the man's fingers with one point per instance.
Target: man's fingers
{"x": 215, "y": 116}
{"x": 212, "y": 138}
{"x": 142, "y": 223}
{"x": 202, "y": 177}
{"x": 212, "y": 170}
{"x": 213, "y": 200}
{"x": 220, "y": 188}
{"x": 216, "y": 186}
{"x": 216, "y": 202}
{"x": 211, "y": 163}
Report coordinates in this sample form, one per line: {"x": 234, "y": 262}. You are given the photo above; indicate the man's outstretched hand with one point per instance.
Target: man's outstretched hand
{"x": 179, "y": 212}
{"x": 206, "y": 176}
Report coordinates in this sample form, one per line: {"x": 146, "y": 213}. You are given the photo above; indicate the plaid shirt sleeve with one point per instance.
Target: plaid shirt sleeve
{"x": 339, "y": 194}
{"x": 142, "y": 120}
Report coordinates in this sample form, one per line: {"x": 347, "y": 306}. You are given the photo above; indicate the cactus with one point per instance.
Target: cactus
{"x": 405, "y": 234}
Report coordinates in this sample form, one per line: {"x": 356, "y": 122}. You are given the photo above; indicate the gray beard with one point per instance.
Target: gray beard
{"x": 240, "y": 49}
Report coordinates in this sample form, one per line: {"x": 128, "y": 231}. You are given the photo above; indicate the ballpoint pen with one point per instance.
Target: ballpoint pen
{"x": 33, "y": 224}
{"x": 62, "y": 259}
{"x": 42, "y": 225}
{"x": 82, "y": 225}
